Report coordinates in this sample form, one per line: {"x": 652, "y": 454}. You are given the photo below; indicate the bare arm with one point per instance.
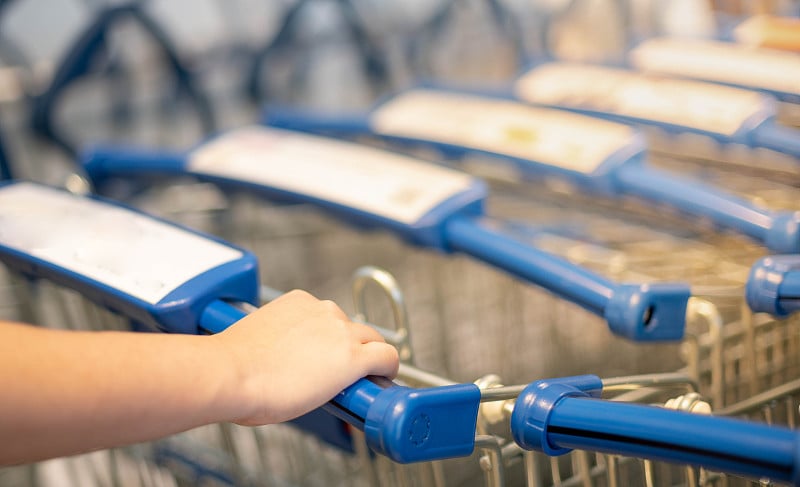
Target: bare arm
{"x": 66, "y": 392}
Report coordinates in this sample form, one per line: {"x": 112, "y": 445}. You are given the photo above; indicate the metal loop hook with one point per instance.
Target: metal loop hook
{"x": 400, "y": 337}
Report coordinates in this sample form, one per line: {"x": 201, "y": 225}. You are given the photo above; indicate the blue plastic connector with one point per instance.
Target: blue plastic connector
{"x": 774, "y": 285}
{"x": 412, "y": 425}
{"x": 648, "y": 312}
{"x": 531, "y": 417}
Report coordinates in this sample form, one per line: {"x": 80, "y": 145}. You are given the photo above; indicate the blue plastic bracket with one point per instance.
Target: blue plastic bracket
{"x": 531, "y": 416}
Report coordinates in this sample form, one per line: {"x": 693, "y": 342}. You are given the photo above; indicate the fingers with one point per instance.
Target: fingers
{"x": 374, "y": 355}
{"x": 332, "y": 309}
{"x": 296, "y": 296}
{"x": 379, "y": 358}
{"x": 365, "y": 333}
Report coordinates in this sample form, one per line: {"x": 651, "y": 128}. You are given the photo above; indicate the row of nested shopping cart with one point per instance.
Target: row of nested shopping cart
{"x": 570, "y": 246}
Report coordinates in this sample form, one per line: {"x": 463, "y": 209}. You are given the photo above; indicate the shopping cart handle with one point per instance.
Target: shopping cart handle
{"x": 778, "y": 231}
{"x": 640, "y": 312}
{"x": 404, "y": 424}
{"x": 556, "y": 416}
{"x": 774, "y": 285}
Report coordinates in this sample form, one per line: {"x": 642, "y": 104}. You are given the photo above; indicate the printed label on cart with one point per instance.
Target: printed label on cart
{"x": 546, "y": 136}
{"x": 702, "y": 106}
{"x": 125, "y": 250}
{"x": 389, "y": 185}
{"x": 720, "y": 61}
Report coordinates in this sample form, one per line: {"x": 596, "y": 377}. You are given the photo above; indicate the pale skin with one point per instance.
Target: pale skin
{"x": 68, "y": 392}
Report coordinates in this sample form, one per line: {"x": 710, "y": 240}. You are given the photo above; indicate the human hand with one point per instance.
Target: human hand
{"x": 296, "y": 353}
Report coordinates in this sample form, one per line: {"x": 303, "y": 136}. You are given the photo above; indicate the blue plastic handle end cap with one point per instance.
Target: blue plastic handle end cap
{"x": 783, "y": 237}
{"x": 648, "y": 312}
{"x": 774, "y": 285}
{"x": 531, "y": 417}
{"x": 411, "y": 425}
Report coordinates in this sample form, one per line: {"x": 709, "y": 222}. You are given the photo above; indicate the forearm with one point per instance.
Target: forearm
{"x": 64, "y": 392}
{"x": 67, "y": 392}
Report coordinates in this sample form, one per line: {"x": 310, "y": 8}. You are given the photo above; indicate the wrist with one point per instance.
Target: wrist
{"x": 232, "y": 399}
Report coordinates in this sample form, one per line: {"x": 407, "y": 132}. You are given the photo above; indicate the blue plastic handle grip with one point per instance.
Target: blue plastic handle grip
{"x": 557, "y": 416}
{"x": 777, "y": 230}
{"x": 774, "y": 285}
{"x": 407, "y": 425}
{"x": 644, "y": 312}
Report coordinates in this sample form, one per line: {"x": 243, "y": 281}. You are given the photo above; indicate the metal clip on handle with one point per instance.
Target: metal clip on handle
{"x": 774, "y": 285}
{"x": 556, "y": 416}
{"x": 400, "y": 337}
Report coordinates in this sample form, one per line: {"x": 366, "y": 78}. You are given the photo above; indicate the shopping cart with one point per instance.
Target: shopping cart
{"x": 444, "y": 214}
{"x": 291, "y": 42}
{"x": 467, "y": 41}
{"x": 441, "y": 419}
{"x": 129, "y": 79}
{"x": 121, "y": 77}
{"x": 534, "y": 144}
